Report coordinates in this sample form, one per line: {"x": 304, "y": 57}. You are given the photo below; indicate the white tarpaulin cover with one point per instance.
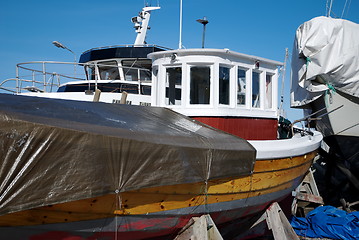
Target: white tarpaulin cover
{"x": 325, "y": 56}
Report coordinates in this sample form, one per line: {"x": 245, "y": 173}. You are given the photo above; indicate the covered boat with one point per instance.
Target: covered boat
{"x": 197, "y": 135}
{"x": 325, "y": 82}
{"x": 98, "y": 170}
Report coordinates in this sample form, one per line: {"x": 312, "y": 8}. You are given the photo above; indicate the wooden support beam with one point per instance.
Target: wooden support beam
{"x": 278, "y": 223}
{"x": 306, "y": 193}
{"x": 96, "y": 97}
{"x": 309, "y": 198}
{"x": 200, "y": 228}
{"x": 123, "y": 98}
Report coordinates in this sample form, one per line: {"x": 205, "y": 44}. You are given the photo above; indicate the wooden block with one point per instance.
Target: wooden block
{"x": 309, "y": 198}
{"x": 202, "y": 228}
{"x": 96, "y": 97}
{"x": 279, "y": 224}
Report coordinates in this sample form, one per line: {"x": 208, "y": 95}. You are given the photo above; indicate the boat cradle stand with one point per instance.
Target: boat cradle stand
{"x": 204, "y": 228}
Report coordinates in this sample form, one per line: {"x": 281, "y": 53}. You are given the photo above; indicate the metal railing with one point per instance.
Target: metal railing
{"x": 40, "y": 76}
{"x": 47, "y": 76}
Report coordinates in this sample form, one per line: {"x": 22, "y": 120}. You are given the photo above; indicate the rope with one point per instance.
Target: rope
{"x": 118, "y": 207}
{"x": 308, "y": 60}
{"x": 346, "y": 1}
{"x": 206, "y": 197}
{"x": 330, "y": 89}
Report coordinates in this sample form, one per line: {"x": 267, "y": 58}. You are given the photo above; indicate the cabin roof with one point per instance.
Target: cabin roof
{"x": 212, "y": 52}
{"x": 127, "y": 51}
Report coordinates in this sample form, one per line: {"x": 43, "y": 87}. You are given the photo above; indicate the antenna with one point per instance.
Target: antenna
{"x": 141, "y": 24}
{"x": 180, "y": 30}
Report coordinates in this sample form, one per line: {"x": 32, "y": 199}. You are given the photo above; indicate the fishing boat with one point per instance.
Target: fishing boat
{"x": 196, "y": 134}
{"x": 325, "y": 82}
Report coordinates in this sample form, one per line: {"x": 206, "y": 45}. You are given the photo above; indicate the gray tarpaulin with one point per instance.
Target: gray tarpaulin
{"x": 55, "y": 151}
{"x": 325, "y": 57}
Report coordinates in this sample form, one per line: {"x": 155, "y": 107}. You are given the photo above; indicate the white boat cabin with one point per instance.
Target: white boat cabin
{"x": 215, "y": 82}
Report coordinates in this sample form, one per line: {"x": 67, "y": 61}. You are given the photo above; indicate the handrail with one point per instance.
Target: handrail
{"x": 8, "y": 89}
{"x": 48, "y": 73}
{"x": 73, "y": 63}
{"x": 39, "y": 74}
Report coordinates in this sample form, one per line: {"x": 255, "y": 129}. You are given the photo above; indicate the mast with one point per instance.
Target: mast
{"x": 281, "y": 111}
{"x": 180, "y": 30}
{"x": 141, "y": 24}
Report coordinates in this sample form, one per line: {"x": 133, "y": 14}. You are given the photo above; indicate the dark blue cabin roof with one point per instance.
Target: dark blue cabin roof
{"x": 118, "y": 52}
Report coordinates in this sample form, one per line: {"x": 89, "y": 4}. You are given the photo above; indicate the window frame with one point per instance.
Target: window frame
{"x": 211, "y": 85}
{"x": 181, "y": 86}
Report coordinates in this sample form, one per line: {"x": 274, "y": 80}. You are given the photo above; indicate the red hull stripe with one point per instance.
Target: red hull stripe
{"x": 247, "y": 128}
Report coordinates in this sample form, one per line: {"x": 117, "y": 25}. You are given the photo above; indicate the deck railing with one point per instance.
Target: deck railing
{"x": 47, "y": 76}
{"x": 42, "y": 76}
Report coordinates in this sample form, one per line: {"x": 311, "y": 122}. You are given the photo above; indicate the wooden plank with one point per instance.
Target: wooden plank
{"x": 200, "y": 228}
{"x": 123, "y": 97}
{"x": 97, "y": 95}
{"x": 309, "y": 197}
{"x": 213, "y": 232}
{"x": 283, "y": 163}
{"x": 279, "y": 224}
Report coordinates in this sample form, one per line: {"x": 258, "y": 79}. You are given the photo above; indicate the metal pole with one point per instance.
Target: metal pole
{"x": 60, "y": 45}
{"x": 75, "y": 62}
{"x": 17, "y": 79}
{"x": 180, "y": 32}
{"x": 204, "y": 34}
{"x": 44, "y": 75}
{"x": 203, "y": 21}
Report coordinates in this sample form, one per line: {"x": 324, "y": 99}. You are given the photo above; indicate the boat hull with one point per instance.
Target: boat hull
{"x": 336, "y": 176}
{"x": 151, "y": 226}
{"x": 160, "y": 212}
{"x": 343, "y": 114}
{"x": 337, "y": 170}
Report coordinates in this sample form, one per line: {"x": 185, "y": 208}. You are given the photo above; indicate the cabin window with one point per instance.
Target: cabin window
{"x": 145, "y": 75}
{"x": 146, "y": 90}
{"x": 224, "y": 85}
{"x": 138, "y": 69}
{"x": 130, "y": 73}
{"x": 200, "y": 85}
{"x": 241, "y": 87}
{"x": 129, "y": 88}
{"x": 90, "y": 72}
{"x": 268, "y": 91}
{"x": 108, "y": 70}
{"x": 174, "y": 86}
{"x": 104, "y": 87}
{"x": 255, "y": 89}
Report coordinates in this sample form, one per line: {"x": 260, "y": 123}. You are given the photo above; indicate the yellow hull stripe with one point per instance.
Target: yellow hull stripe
{"x": 269, "y": 176}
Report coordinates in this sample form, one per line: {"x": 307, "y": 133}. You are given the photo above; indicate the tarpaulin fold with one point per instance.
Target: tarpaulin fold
{"x": 54, "y": 151}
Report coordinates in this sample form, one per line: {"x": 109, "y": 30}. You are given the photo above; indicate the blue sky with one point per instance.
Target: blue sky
{"x": 262, "y": 28}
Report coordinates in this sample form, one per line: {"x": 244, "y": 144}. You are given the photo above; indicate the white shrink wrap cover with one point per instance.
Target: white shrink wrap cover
{"x": 325, "y": 57}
